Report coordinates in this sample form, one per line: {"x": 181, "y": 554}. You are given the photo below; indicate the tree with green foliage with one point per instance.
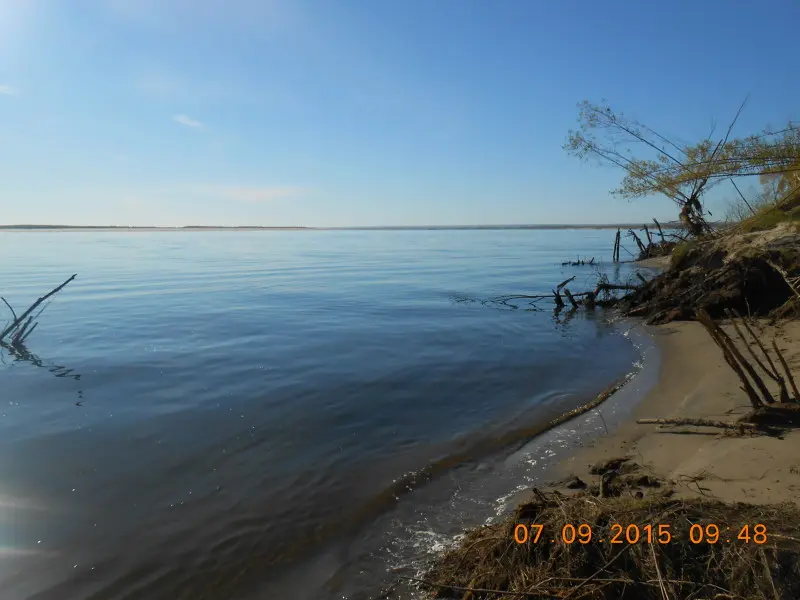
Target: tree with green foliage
{"x": 784, "y": 180}
{"x": 682, "y": 172}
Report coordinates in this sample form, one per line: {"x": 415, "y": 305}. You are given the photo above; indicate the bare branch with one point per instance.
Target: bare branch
{"x": 9, "y": 307}
{"x": 16, "y": 323}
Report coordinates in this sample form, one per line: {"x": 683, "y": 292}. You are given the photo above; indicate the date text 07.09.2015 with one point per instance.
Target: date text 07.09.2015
{"x": 617, "y": 533}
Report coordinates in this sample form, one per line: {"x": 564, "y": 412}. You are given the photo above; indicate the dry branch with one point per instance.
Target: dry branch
{"x": 20, "y": 336}
{"x": 601, "y": 287}
{"x": 660, "y": 231}
{"x": 557, "y": 297}
{"x": 724, "y": 343}
{"x": 563, "y": 283}
{"x": 786, "y": 370}
{"x": 773, "y": 373}
{"x": 697, "y": 423}
{"x": 571, "y": 298}
{"x": 11, "y": 308}
{"x": 756, "y": 339}
{"x": 649, "y": 236}
{"x": 759, "y": 383}
{"x": 639, "y": 243}
{"x": 792, "y": 282}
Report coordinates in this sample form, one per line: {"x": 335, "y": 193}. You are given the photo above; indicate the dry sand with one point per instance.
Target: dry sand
{"x": 658, "y": 263}
{"x": 695, "y": 382}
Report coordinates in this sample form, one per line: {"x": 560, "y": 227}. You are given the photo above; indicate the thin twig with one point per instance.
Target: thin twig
{"x": 742, "y": 197}
{"x": 9, "y": 307}
{"x": 768, "y": 573}
{"x": 599, "y": 412}
{"x": 782, "y": 272}
{"x": 784, "y": 537}
{"x": 658, "y": 573}
{"x": 596, "y": 573}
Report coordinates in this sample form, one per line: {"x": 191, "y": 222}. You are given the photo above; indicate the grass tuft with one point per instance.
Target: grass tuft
{"x": 490, "y": 560}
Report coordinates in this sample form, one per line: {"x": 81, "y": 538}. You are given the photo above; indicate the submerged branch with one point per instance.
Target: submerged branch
{"x": 14, "y": 326}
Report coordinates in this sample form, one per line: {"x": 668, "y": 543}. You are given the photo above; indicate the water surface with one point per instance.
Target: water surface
{"x": 231, "y": 415}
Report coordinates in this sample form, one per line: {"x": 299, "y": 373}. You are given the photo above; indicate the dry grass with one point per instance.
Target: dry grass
{"x": 771, "y": 214}
{"x": 490, "y": 561}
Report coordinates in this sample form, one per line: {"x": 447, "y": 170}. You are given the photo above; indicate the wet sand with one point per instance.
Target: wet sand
{"x": 695, "y": 382}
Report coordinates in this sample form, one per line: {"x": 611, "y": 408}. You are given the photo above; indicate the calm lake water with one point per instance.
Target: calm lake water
{"x": 237, "y": 415}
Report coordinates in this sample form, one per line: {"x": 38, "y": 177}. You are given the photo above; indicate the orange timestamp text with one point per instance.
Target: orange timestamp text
{"x": 618, "y": 533}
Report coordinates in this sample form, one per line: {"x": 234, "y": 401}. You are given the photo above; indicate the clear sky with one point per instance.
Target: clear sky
{"x": 361, "y": 112}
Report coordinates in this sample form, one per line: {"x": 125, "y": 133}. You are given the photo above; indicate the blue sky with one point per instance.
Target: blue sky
{"x": 361, "y": 112}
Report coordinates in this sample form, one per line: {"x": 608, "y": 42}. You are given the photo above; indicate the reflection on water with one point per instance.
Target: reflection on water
{"x": 282, "y": 413}
{"x": 20, "y": 353}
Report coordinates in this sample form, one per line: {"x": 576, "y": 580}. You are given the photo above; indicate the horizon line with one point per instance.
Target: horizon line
{"x": 26, "y": 226}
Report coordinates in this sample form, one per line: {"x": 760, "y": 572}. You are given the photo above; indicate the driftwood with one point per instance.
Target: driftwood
{"x": 786, "y": 370}
{"x": 20, "y": 328}
{"x": 771, "y": 370}
{"x": 639, "y": 243}
{"x": 558, "y": 299}
{"x": 571, "y": 298}
{"x": 565, "y": 282}
{"x": 578, "y": 263}
{"x": 603, "y": 287}
{"x": 557, "y": 293}
{"x": 697, "y": 423}
{"x": 587, "y": 299}
{"x": 740, "y": 426}
{"x": 737, "y": 362}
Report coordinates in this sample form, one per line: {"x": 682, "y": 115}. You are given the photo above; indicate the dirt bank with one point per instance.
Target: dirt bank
{"x": 749, "y": 272}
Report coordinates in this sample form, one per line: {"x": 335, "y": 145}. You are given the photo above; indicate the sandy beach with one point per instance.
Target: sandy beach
{"x": 695, "y": 382}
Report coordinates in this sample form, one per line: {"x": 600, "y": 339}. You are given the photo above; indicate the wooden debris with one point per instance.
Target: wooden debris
{"x": 660, "y": 231}
{"x": 21, "y": 327}
{"x": 697, "y": 423}
{"x": 786, "y": 370}
{"x": 737, "y": 362}
{"x": 571, "y": 298}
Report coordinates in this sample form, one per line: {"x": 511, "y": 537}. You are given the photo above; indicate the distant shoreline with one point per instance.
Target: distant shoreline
{"x": 110, "y": 228}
